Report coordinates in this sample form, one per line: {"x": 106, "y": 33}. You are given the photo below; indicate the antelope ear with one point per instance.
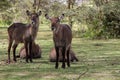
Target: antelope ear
{"x": 47, "y": 17}
{"x": 28, "y": 12}
{"x": 39, "y": 13}
{"x": 61, "y": 17}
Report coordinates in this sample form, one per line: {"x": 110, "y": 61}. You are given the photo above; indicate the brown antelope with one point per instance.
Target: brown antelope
{"x": 52, "y": 56}
{"x": 62, "y": 37}
{"x": 36, "y": 51}
{"x": 23, "y": 33}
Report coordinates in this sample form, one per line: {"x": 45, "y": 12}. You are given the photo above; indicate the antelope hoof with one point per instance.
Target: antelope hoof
{"x": 31, "y": 61}
{"x": 8, "y": 61}
{"x": 63, "y": 66}
{"x": 56, "y": 67}
{"x": 14, "y": 60}
{"x": 27, "y": 61}
{"x": 69, "y": 65}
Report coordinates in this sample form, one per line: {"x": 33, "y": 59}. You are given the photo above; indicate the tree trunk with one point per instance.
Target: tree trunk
{"x": 70, "y": 6}
{"x": 36, "y": 5}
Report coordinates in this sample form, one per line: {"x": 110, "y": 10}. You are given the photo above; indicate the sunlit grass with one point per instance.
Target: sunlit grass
{"x": 98, "y": 60}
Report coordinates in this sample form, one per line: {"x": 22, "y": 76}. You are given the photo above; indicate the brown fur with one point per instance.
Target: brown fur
{"x": 52, "y": 56}
{"x": 23, "y": 33}
{"x": 36, "y": 51}
{"x": 62, "y": 37}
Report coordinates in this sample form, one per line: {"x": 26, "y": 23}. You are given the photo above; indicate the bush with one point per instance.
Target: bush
{"x": 111, "y": 21}
{"x": 105, "y": 22}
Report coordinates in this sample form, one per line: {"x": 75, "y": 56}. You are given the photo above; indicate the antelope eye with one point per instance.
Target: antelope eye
{"x": 52, "y": 28}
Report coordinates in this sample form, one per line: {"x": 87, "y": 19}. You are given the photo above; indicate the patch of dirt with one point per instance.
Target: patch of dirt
{"x": 3, "y": 62}
{"x": 103, "y": 76}
{"x": 50, "y": 76}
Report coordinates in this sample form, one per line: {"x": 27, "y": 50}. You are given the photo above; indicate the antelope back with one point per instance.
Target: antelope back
{"x": 19, "y": 31}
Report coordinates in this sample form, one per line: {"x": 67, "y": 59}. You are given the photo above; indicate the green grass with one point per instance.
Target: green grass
{"x": 98, "y": 60}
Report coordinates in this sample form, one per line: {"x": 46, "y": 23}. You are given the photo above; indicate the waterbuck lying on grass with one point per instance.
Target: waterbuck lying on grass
{"x": 62, "y": 37}
{"x": 23, "y": 33}
{"x": 36, "y": 51}
{"x": 52, "y": 56}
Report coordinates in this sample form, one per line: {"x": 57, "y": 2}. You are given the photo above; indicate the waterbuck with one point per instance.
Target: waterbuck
{"x": 62, "y": 37}
{"x": 36, "y": 51}
{"x": 23, "y": 33}
{"x": 52, "y": 56}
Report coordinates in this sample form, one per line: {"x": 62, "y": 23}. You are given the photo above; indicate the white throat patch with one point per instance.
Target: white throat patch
{"x": 54, "y": 29}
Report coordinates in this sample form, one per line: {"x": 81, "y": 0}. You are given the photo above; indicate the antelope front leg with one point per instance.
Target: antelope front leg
{"x": 9, "y": 49}
{"x": 57, "y": 57}
{"x": 30, "y": 51}
{"x": 14, "y": 51}
{"x": 68, "y": 60}
{"x": 26, "y": 48}
{"x": 63, "y": 55}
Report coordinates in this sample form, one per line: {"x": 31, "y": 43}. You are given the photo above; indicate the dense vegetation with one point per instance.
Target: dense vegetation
{"x": 90, "y": 18}
{"x": 104, "y": 22}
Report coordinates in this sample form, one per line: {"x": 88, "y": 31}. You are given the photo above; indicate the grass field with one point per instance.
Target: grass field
{"x": 98, "y": 60}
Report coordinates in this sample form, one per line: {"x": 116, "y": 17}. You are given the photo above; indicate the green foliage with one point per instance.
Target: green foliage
{"x": 111, "y": 21}
{"x": 56, "y": 9}
{"x": 102, "y": 21}
{"x": 6, "y": 18}
{"x": 102, "y": 17}
{"x": 4, "y": 4}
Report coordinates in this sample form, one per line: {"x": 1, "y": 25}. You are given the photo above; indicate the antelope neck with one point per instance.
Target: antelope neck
{"x": 33, "y": 28}
{"x": 36, "y": 23}
{"x": 57, "y": 28}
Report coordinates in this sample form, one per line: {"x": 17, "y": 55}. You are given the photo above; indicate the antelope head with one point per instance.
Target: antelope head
{"x": 55, "y": 21}
{"x": 34, "y": 17}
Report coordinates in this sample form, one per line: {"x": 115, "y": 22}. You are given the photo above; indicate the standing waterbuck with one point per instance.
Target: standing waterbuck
{"x": 23, "y": 33}
{"x": 62, "y": 37}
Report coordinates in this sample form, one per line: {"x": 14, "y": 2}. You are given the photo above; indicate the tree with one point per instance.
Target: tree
{"x": 4, "y": 4}
{"x": 104, "y": 21}
{"x": 70, "y": 6}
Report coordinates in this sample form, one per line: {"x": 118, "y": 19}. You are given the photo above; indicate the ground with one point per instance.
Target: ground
{"x": 98, "y": 60}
